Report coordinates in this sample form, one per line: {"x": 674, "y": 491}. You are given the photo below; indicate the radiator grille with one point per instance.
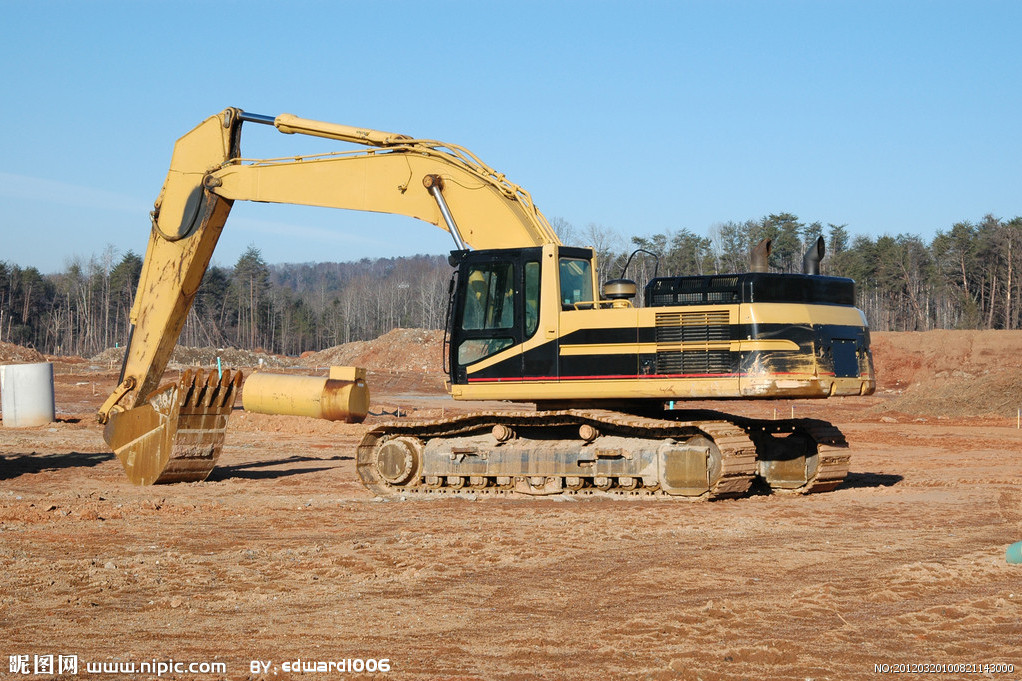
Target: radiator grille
{"x": 693, "y": 327}
{"x": 673, "y": 329}
{"x": 694, "y": 362}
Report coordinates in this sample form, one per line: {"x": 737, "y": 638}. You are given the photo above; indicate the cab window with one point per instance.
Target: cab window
{"x": 531, "y": 297}
{"x": 488, "y": 307}
{"x": 576, "y": 282}
{"x": 489, "y": 298}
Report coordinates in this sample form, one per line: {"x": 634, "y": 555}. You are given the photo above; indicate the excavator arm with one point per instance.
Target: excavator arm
{"x": 175, "y": 432}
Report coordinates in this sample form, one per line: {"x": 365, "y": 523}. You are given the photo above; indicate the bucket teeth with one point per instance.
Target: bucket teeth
{"x": 212, "y": 385}
{"x": 227, "y": 380}
{"x": 188, "y": 384}
{"x": 178, "y": 435}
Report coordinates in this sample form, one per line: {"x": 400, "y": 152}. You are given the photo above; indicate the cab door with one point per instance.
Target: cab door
{"x": 492, "y": 313}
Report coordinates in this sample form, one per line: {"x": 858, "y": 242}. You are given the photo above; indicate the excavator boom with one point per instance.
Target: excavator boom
{"x": 150, "y": 427}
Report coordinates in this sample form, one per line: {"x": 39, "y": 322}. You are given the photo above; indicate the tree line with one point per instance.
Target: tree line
{"x": 967, "y": 277}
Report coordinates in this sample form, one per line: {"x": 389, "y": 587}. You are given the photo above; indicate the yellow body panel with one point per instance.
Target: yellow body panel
{"x": 801, "y": 380}
{"x": 798, "y": 313}
{"x": 601, "y": 390}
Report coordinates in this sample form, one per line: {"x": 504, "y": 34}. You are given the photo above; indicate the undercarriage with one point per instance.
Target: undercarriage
{"x": 682, "y": 455}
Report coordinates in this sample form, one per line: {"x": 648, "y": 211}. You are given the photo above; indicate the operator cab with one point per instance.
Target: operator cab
{"x": 497, "y": 301}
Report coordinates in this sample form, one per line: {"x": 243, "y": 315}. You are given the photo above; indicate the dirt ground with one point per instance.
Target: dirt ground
{"x": 282, "y": 555}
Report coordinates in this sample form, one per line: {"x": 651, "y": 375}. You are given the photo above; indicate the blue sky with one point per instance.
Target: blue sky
{"x": 640, "y": 117}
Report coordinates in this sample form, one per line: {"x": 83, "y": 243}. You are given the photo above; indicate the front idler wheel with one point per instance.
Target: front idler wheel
{"x": 399, "y": 459}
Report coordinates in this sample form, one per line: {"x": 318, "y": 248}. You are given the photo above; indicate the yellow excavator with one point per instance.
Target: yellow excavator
{"x": 605, "y": 379}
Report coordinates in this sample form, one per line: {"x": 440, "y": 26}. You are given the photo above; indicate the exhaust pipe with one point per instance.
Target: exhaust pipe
{"x": 811, "y": 260}
{"x": 761, "y": 256}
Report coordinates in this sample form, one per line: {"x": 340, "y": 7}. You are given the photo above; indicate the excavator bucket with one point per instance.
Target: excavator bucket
{"x": 177, "y": 436}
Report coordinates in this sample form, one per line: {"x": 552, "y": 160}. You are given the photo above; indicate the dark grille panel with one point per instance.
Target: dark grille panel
{"x": 668, "y": 291}
{"x": 693, "y": 327}
{"x": 694, "y": 362}
{"x": 751, "y": 287}
{"x": 693, "y": 334}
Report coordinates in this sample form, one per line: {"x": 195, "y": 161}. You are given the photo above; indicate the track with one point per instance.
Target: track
{"x": 685, "y": 455}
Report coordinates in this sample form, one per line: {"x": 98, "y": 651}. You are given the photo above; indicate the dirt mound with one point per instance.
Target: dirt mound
{"x": 229, "y": 357}
{"x": 185, "y": 356}
{"x": 17, "y": 354}
{"x": 409, "y": 360}
{"x": 400, "y": 350}
{"x": 950, "y": 373}
{"x": 404, "y": 360}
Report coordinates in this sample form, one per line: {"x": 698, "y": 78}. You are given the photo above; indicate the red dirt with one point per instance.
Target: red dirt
{"x": 282, "y": 554}
{"x": 951, "y": 373}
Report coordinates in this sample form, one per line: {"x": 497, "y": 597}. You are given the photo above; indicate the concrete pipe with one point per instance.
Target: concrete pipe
{"x": 26, "y": 394}
{"x": 342, "y": 396}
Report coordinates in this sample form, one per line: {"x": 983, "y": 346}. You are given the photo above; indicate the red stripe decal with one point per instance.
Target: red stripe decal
{"x": 612, "y": 377}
